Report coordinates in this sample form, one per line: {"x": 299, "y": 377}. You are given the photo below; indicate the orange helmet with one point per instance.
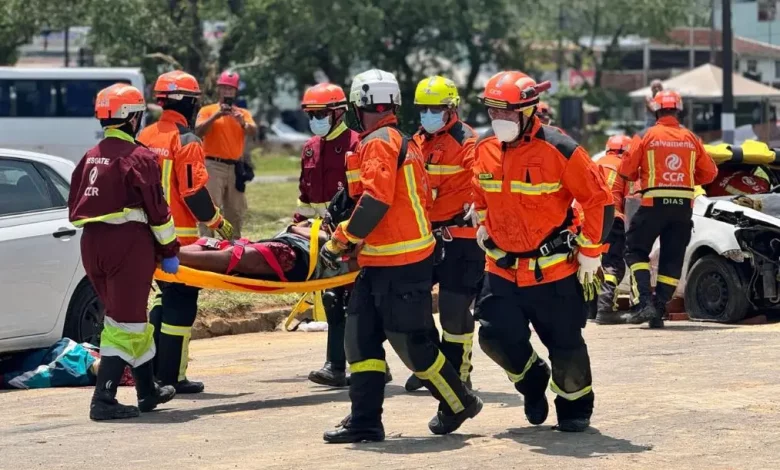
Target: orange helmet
{"x": 667, "y": 99}
{"x": 176, "y": 85}
{"x": 618, "y": 144}
{"x": 510, "y": 90}
{"x": 324, "y": 96}
{"x": 119, "y": 101}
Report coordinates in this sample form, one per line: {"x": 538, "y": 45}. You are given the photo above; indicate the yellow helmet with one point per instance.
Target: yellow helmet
{"x": 436, "y": 91}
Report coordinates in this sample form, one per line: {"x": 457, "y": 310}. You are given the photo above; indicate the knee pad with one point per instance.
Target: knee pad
{"x": 571, "y": 370}
{"x": 454, "y": 312}
{"x": 334, "y": 307}
{"x": 416, "y": 350}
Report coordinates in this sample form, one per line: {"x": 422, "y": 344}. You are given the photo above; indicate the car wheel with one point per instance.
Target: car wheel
{"x": 84, "y": 321}
{"x": 715, "y": 291}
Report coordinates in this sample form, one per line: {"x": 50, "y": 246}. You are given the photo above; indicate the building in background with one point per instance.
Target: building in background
{"x": 753, "y": 19}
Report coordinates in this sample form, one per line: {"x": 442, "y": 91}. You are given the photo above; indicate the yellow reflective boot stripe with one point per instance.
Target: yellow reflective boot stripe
{"x": 353, "y": 176}
{"x": 467, "y": 340}
{"x": 518, "y": 377}
{"x": 167, "y": 170}
{"x": 651, "y": 168}
{"x": 668, "y": 280}
{"x": 611, "y": 278}
{"x": 434, "y": 376}
{"x": 640, "y": 266}
{"x": 417, "y": 207}
{"x": 490, "y": 186}
{"x": 570, "y": 396}
{"x": 184, "y": 332}
{"x": 634, "y": 268}
{"x": 165, "y": 233}
{"x": 534, "y": 189}
{"x": 369, "y": 365}
{"x": 444, "y": 170}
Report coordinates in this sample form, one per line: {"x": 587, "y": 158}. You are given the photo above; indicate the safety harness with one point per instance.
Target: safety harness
{"x": 560, "y": 241}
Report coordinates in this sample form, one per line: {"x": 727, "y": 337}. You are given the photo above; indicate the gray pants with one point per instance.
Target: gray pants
{"x": 222, "y": 187}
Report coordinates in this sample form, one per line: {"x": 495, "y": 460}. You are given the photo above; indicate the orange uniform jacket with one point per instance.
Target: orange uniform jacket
{"x": 670, "y": 160}
{"x": 524, "y": 193}
{"x": 449, "y": 158}
{"x": 610, "y": 164}
{"x": 391, "y": 216}
{"x": 184, "y": 175}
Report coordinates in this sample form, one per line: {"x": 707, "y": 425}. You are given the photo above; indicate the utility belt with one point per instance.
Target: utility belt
{"x": 222, "y": 160}
{"x": 561, "y": 241}
{"x": 441, "y": 233}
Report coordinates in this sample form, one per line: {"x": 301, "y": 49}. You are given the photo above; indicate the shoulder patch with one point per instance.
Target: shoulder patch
{"x": 461, "y": 133}
{"x": 562, "y": 142}
{"x": 382, "y": 133}
{"x": 486, "y": 136}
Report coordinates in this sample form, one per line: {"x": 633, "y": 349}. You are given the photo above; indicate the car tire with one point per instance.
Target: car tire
{"x": 715, "y": 291}
{"x": 84, "y": 320}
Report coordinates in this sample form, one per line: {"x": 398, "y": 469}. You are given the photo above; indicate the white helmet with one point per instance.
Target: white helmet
{"x": 374, "y": 87}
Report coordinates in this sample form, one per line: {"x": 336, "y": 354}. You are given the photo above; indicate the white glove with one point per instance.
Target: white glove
{"x": 471, "y": 215}
{"x": 587, "y": 275}
{"x": 482, "y": 236}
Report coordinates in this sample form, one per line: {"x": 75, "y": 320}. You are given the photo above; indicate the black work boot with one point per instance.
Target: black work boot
{"x": 533, "y": 387}
{"x": 445, "y": 422}
{"x": 658, "y": 320}
{"x": 104, "y": 405}
{"x": 574, "y": 415}
{"x": 573, "y": 425}
{"x": 646, "y": 313}
{"x": 413, "y": 383}
{"x": 536, "y": 410}
{"x": 346, "y": 434}
{"x": 329, "y": 375}
{"x": 149, "y": 393}
{"x": 188, "y": 386}
{"x": 609, "y": 318}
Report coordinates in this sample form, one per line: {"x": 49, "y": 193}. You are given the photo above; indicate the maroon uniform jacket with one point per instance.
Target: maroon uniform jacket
{"x": 323, "y": 169}
{"x": 113, "y": 178}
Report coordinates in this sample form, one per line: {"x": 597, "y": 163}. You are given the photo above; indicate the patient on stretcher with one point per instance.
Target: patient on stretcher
{"x": 285, "y": 257}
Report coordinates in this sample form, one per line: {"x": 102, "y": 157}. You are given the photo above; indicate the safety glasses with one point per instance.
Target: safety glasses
{"x": 431, "y": 109}
{"x": 509, "y": 114}
{"x": 321, "y": 114}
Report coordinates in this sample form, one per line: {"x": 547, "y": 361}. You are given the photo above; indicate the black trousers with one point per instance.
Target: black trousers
{"x": 614, "y": 266}
{"x": 558, "y": 313}
{"x": 459, "y": 275}
{"x": 172, "y": 315}
{"x": 673, "y": 224}
{"x": 394, "y": 304}
{"x": 335, "y": 302}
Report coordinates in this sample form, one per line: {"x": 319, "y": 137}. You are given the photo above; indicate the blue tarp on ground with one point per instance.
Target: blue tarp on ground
{"x": 65, "y": 364}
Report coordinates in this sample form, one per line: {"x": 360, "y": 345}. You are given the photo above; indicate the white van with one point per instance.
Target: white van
{"x": 51, "y": 110}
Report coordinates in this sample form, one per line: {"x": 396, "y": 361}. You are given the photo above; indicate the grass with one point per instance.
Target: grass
{"x": 270, "y": 210}
{"x": 275, "y": 164}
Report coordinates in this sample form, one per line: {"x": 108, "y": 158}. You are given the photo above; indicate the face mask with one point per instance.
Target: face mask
{"x": 506, "y": 131}
{"x": 431, "y": 121}
{"x": 320, "y": 127}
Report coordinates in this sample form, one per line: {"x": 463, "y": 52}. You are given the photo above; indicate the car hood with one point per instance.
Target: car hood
{"x": 704, "y": 206}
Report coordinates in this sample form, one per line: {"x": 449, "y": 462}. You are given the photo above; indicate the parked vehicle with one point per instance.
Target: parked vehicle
{"x": 44, "y": 290}
{"x": 52, "y": 110}
{"x": 281, "y": 138}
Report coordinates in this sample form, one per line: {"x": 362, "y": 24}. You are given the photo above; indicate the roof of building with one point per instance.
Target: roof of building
{"x": 701, "y": 38}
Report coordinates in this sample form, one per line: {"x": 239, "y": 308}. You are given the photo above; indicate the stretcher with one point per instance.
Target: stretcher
{"x": 311, "y": 288}
{"x": 751, "y": 152}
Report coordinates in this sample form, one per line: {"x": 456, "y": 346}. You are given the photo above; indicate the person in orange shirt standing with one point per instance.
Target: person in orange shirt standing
{"x": 539, "y": 270}
{"x": 671, "y": 160}
{"x": 223, "y": 126}
{"x": 612, "y": 260}
{"x": 184, "y": 178}
{"x": 391, "y": 299}
{"x": 447, "y": 144}
{"x": 544, "y": 113}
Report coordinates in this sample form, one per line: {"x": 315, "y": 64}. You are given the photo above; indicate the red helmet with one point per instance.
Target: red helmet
{"x": 667, "y": 99}
{"x": 618, "y": 144}
{"x": 229, "y": 78}
{"x": 176, "y": 85}
{"x": 119, "y": 101}
{"x": 324, "y": 96}
{"x": 509, "y": 90}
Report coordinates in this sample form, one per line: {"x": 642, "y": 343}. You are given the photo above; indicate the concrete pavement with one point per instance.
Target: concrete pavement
{"x": 690, "y": 396}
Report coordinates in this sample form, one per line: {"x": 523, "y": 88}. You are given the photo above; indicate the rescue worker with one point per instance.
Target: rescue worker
{"x": 544, "y": 113}
{"x": 117, "y": 197}
{"x": 184, "y": 179}
{"x": 739, "y": 182}
{"x": 527, "y": 176}
{"x": 223, "y": 126}
{"x": 447, "y": 145}
{"x": 391, "y": 299}
{"x": 612, "y": 262}
{"x": 323, "y": 174}
{"x": 671, "y": 160}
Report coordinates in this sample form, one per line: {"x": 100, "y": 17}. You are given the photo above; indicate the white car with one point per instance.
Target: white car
{"x": 44, "y": 290}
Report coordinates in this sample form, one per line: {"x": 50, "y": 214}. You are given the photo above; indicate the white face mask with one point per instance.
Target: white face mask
{"x": 506, "y": 131}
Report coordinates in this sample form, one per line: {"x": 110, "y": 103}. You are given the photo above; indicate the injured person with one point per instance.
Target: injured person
{"x": 285, "y": 257}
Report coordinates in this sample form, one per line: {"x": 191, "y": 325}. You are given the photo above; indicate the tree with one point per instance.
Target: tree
{"x": 17, "y": 27}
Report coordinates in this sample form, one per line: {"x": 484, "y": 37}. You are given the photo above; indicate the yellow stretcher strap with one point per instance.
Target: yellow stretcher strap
{"x": 751, "y": 152}
{"x": 314, "y": 246}
{"x": 209, "y": 280}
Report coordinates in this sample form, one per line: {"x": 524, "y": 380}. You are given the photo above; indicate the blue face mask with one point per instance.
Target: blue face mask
{"x": 320, "y": 127}
{"x": 431, "y": 121}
